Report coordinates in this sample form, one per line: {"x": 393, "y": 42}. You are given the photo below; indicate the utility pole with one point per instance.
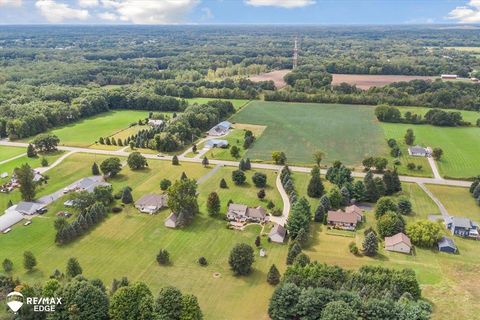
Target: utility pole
{"x": 295, "y": 54}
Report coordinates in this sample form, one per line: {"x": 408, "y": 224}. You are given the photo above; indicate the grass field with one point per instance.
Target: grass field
{"x": 470, "y": 116}
{"x": 237, "y": 103}
{"x": 10, "y": 152}
{"x": 343, "y": 132}
{"x": 461, "y": 157}
{"x": 86, "y": 131}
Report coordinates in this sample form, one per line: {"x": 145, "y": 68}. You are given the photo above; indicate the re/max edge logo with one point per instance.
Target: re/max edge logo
{"x": 15, "y": 301}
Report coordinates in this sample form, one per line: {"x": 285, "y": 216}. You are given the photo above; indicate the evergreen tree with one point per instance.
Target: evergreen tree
{"x": 127, "y": 197}
{"x": 335, "y": 197}
{"x": 370, "y": 244}
{"x": 163, "y": 257}
{"x": 409, "y": 137}
{"x": 190, "y": 308}
{"x": 175, "y": 161}
{"x": 325, "y": 202}
{"x": 25, "y": 179}
{"x": 205, "y": 161}
{"x": 257, "y": 241}
{"x": 31, "y": 151}
{"x": 302, "y": 236}
{"x": 165, "y": 184}
{"x": 315, "y": 186}
{"x": 302, "y": 259}
{"x": 101, "y": 140}
{"x": 241, "y": 165}
{"x": 95, "y": 169}
{"x": 248, "y": 165}
{"x": 273, "y": 275}
{"x": 29, "y": 261}
{"x": 345, "y": 196}
{"x": 320, "y": 213}
{"x": 371, "y": 192}
{"x": 213, "y": 203}
{"x": 183, "y": 176}
{"x": 293, "y": 252}
{"x": 7, "y": 265}
{"x": 223, "y": 184}
{"x": 404, "y": 206}
{"x": 358, "y": 191}
{"x": 73, "y": 268}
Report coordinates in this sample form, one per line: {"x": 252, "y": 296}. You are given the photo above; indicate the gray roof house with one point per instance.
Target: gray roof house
{"x": 151, "y": 203}
{"x": 220, "y": 129}
{"x": 240, "y": 212}
{"x": 447, "y": 245}
{"x": 278, "y": 233}
{"x": 172, "y": 221}
{"x": 87, "y": 184}
{"x": 10, "y": 218}
{"x": 463, "y": 227}
{"x": 216, "y": 143}
{"x": 418, "y": 151}
{"x": 28, "y": 208}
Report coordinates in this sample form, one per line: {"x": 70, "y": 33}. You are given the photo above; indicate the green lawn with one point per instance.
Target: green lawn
{"x": 460, "y": 146}
{"x": 343, "y": 132}
{"x": 457, "y": 202}
{"x": 470, "y": 116}
{"x": 10, "y": 152}
{"x": 237, "y": 103}
{"x": 85, "y": 132}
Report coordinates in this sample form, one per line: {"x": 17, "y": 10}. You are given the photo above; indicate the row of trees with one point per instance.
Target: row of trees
{"x": 434, "y": 117}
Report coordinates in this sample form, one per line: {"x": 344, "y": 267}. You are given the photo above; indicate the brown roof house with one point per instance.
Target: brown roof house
{"x": 278, "y": 233}
{"x": 398, "y": 243}
{"x": 151, "y": 203}
{"x": 242, "y": 213}
{"x": 342, "y": 220}
{"x": 172, "y": 221}
{"x": 356, "y": 210}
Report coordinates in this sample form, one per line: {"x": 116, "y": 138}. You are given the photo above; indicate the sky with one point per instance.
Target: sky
{"x": 323, "y": 12}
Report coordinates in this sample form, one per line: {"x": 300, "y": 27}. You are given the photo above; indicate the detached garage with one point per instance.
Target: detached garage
{"x": 447, "y": 245}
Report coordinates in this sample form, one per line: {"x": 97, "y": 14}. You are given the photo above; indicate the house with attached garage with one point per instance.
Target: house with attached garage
{"x": 342, "y": 220}
{"x": 463, "y": 227}
{"x": 216, "y": 143}
{"x": 355, "y": 210}
{"x": 398, "y": 243}
{"x": 242, "y": 213}
{"x": 151, "y": 203}
{"x": 418, "y": 151}
{"x": 220, "y": 129}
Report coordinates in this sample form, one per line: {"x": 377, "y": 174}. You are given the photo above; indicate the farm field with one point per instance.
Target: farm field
{"x": 366, "y": 81}
{"x": 237, "y": 103}
{"x": 85, "y": 132}
{"x": 343, "y": 132}
{"x": 461, "y": 158}
{"x": 10, "y": 152}
{"x": 276, "y": 76}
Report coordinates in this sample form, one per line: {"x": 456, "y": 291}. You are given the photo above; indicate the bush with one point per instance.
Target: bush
{"x": 117, "y": 209}
{"x": 352, "y": 247}
{"x": 163, "y": 257}
{"x": 259, "y": 179}
{"x": 202, "y": 261}
{"x": 411, "y": 166}
{"x": 238, "y": 177}
{"x": 165, "y": 184}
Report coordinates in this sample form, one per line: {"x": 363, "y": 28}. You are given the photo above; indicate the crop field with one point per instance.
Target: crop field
{"x": 366, "y": 81}
{"x": 343, "y": 132}
{"x": 10, "y": 152}
{"x": 276, "y": 76}
{"x": 237, "y": 103}
{"x": 86, "y": 131}
{"x": 461, "y": 158}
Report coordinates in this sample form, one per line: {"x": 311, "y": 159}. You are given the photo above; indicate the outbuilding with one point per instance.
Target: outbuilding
{"x": 447, "y": 245}
{"x": 278, "y": 233}
{"x": 398, "y": 243}
{"x": 172, "y": 221}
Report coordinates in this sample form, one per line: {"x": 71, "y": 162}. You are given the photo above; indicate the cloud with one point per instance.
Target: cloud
{"x": 469, "y": 13}
{"x": 108, "y": 16}
{"x": 88, "y": 3}
{"x": 58, "y": 12}
{"x": 151, "y": 11}
{"x": 289, "y": 4}
{"x": 207, "y": 14}
{"x": 11, "y": 3}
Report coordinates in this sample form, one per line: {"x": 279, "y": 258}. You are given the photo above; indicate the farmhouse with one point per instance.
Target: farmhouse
{"x": 418, "y": 151}
{"x": 342, "y": 220}
{"x": 155, "y": 122}
{"x": 463, "y": 227}
{"x": 172, "y": 221}
{"x": 242, "y": 213}
{"x": 216, "y": 143}
{"x": 278, "y": 233}
{"x": 151, "y": 203}
{"x": 356, "y": 210}
{"x": 398, "y": 243}
{"x": 447, "y": 245}
{"x": 220, "y": 129}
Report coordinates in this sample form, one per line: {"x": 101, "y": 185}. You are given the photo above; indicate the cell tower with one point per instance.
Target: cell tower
{"x": 295, "y": 54}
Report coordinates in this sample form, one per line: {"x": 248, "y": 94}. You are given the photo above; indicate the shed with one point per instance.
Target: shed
{"x": 278, "y": 233}
{"x": 447, "y": 245}
{"x": 398, "y": 243}
{"x": 172, "y": 221}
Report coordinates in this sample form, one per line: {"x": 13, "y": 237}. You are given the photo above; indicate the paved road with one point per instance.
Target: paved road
{"x": 433, "y": 165}
{"x": 447, "y": 182}
{"x": 282, "y": 220}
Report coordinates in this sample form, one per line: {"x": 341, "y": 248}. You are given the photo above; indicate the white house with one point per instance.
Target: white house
{"x": 398, "y": 243}
{"x": 155, "y": 122}
{"x": 151, "y": 203}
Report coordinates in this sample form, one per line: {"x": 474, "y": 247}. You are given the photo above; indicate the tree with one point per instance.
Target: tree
{"x": 279, "y": 157}
{"x": 259, "y": 179}
{"x": 7, "y": 265}
{"x": 95, "y": 169}
{"x": 183, "y": 176}
{"x": 338, "y": 310}
{"x": 29, "y": 261}
{"x": 371, "y": 192}
{"x": 390, "y": 224}
{"x": 320, "y": 213}
{"x": 385, "y": 204}
{"x": 163, "y": 257}
{"x": 380, "y": 164}
{"x": 127, "y": 197}
{"x": 411, "y": 166}
{"x": 325, "y": 202}
{"x": 182, "y": 199}
{"x": 248, "y": 165}
{"x": 261, "y": 194}
{"x": 165, "y": 184}
{"x": 175, "y": 161}
{"x": 136, "y": 161}
{"x": 213, "y": 203}
{"x": 111, "y": 166}
{"x": 299, "y": 217}
{"x": 345, "y": 196}
{"x": 437, "y": 153}
{"x": 352, "y": 247}
{"x": 301, "y": 259}
{"x": 368, "y": 163}
{"x": 25, "y": 179}
{"x": 194, "y": 148}
{"x": 205, "y": 161}
{"x": 223, "y": 184}
{"x": 370, "y": 244}
{"x": 424, "y": 233}
{"x": 335, "y": 197}
{"x": 46, "y": 142}
{"x": 273, "y": 275}
{"x": 241, "y": 165}
{"x": 318, "y": 157}
{"x": 238, "y": 177}
{"x": 293, "y": 252}
{"x": 257, "y": 241}
{"x": 315, "y": 187}
{"x": 103, "y": 194}
{"x": 392, "y": 182}
{"x": 168, "y": 305}
{"x": 404, "y": 206}
{"x": 73, "y": 268}
{"x": 132, "y": 302}
{"x": 241, "y": 259}
{"x": 235, "y": 151}
{"x": 284, "y": 302}
{"x": 409, "y": 137}
{"x": 190, "y": 308}
{"x": 31, "y": 153}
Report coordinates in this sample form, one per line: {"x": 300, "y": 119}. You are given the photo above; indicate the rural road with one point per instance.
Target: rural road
{"x": 282, "y": 220}
{"x": 439, "y": 181}
{"x": 433, "y": 165}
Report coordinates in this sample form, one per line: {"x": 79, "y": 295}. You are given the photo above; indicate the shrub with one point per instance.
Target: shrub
{"x": 352, "y": 247}
{"x": 259, "y": 179}
{"x": 202, "y": 261}
{"x": 117, "y": 209}
{"x": 163, "y": 257}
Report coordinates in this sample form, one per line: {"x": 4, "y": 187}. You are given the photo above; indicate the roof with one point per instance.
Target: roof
{"x": 90, "y": 183}
{"x": 156, "y": 122}
{"x": 225, "y": 124}
{"x": 217, "y": 142}
{"x": 353, "y": 208}
{"x": 154, "y": 200}
{"x": 10, "y": 218}
{"x": 28, "y": 207}
{"x": 257, "y": 212}
{"x": 343, "y": 217}
{"x": 417, "y": 149}
{"x": 278, "y": 230}
{"x": 463, "y": 222}
{"x": 396, "y": 239}
{"x": 236, "y": 208}
{"x": 446, "y": 242}
{"x": 172, "y": 217}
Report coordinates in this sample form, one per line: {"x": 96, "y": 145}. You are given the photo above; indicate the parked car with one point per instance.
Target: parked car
{"x": 42, "y": 210}
{"x": 29, "y": 222}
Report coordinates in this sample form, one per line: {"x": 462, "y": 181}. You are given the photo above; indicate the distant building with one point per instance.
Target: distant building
{"x": 447, "y": 245}
{"x": 356, "y": 210}
{"x": 151, "y": 203}
{"x": 342, "y": 220}
{"x": 86, "y": 184}
{"x": 155, "y": 122}
{"x": 475, "y": 80}
{"x": 172, "y": 221}
{"x": 216, "y": 143}
{"x": 463, "y": 227}
{"x": 220, "y": 129}
{"x": 418, "y": 151}
{"x": 398, "y": 243}
{"x": 449, "y": 76}
{"x": 278, "y": 233}
{"x": 242, "y": 213}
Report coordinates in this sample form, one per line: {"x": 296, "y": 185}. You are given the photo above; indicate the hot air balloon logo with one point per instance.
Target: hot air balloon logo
{"x": 14, "y": 301}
